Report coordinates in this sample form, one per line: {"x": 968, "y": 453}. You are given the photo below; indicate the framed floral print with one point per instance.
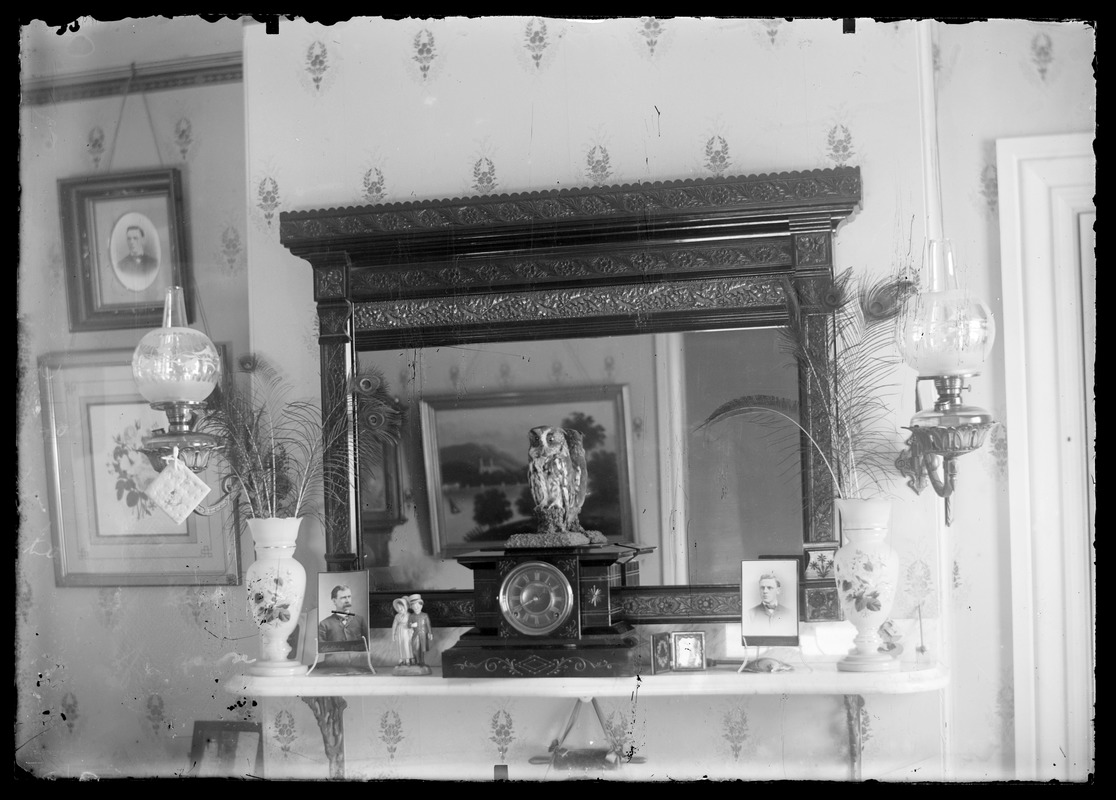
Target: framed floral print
{"x": 106, "y": 530}
{"x": 125, "y": 244}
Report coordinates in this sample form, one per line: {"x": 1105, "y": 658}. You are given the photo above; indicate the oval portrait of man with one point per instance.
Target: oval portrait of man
{"x": 135, "y": 251}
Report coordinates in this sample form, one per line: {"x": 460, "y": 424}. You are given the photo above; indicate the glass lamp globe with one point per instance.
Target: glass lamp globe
{"x": 175, "y": 363}
{"x": 945, "y": 331}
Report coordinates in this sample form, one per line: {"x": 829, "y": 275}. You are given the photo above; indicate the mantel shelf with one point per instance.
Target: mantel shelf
{"x": 812, "y": 678}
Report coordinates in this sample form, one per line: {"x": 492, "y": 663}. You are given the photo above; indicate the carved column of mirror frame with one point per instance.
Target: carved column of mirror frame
{"x": 668, "y": 256}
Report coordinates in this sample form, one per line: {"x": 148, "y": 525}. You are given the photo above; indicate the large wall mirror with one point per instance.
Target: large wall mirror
{"x": 633, "y": 309}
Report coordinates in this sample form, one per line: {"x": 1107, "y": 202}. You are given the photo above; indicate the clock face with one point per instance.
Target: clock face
{"x": 536, "y": 598}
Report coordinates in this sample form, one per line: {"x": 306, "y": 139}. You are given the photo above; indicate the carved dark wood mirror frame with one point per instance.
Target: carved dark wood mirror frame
{"x": 682, "y": 255}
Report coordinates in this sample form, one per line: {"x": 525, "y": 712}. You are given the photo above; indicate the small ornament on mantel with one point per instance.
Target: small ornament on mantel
{"x": 413, "y": 635}
{"x": 559, "y": 478}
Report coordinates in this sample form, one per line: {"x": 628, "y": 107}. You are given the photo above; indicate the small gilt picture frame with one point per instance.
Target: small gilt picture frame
{"x": 662, "y": 654}
{"x": 688, "y": 648}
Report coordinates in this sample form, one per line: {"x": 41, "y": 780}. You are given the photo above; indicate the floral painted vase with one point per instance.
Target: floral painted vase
{"x": 866, "y": 568}
{"x": 276, "y": 585}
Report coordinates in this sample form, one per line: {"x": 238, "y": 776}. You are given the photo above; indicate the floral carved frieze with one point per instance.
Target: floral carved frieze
{"x": 667, "y": 604}
{"x": 835, "y": 185}
{"x": 514, "y": 271}
{"x": 570, "y": 304}
{"x": 812, "y": 248}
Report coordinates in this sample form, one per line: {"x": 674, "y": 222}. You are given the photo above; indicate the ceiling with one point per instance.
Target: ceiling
{"x": 104, "y": 45}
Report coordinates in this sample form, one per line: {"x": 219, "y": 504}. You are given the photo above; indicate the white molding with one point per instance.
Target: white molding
{"x": 1045, "y": 185}
{"x": 153, "y": 77}
{"x": 670, "y": 382}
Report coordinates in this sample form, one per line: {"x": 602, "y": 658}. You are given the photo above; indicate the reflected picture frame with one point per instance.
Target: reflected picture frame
{"x": 769, "y": 600}
{"x": 105, "y": 530}
{"x": 125, "y": 243}
{"x": 474, "y": 445}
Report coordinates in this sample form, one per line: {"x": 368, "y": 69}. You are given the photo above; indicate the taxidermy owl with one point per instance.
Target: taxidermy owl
{"x": 549, "y": 467}
{"x": 579, "y": 478}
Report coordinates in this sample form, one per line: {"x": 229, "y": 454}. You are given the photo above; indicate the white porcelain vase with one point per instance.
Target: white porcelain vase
{"x": 866, "y": 568}
{"x": 276, "y": 585}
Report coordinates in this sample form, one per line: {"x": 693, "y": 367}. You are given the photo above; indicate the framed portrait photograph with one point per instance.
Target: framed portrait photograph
{"x": 125, "y": 243}
{"x": 689, "y": 650}
{"x": 475, "y": 450}
{"x": 226, "y": 749}
{"x": 106, "y": 529}
{"x": 342, "y": 624}
{"x": 769, "y": 601}
{"x": 662, "y": 653}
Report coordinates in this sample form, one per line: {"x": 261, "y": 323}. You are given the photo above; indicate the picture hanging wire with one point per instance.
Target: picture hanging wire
{"x": 120, "y": 119}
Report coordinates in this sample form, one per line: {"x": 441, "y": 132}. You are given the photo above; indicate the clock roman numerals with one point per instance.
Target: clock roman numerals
{"x": 536, "y": 598}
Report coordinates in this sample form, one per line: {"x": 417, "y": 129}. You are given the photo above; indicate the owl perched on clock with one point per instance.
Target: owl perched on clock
{"x": 557, "y": 477}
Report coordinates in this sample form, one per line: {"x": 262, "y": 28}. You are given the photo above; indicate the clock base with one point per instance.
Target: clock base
{"x": 542, "y": 661}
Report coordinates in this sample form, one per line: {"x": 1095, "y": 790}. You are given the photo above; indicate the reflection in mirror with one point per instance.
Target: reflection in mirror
{"x": 690, "y": 495}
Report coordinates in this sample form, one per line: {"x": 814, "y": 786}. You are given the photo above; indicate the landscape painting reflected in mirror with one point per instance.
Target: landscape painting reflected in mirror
{"x": 732, "y": 493}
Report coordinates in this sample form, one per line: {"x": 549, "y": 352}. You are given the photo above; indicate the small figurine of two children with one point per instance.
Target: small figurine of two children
{"x": 412, "y": 634}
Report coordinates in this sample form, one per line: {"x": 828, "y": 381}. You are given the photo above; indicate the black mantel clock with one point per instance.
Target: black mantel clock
{"x": 548, "y": 612}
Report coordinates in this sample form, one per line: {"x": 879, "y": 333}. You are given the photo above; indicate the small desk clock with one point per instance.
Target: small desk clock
{"x": 548, "y": 612}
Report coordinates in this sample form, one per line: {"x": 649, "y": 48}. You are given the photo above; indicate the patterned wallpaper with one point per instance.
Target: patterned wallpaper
{"x": 376, "y": 110}
{"x": 111, "y": 679}
{"x": 451, "y": 107}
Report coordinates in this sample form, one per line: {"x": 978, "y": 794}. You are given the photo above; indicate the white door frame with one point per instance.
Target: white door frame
{"x": 1046, "y": 187}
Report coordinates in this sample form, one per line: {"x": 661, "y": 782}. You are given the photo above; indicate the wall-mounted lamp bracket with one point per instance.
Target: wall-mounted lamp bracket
{"x": 939, "y": 437}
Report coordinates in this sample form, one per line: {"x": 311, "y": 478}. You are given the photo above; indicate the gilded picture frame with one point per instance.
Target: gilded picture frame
{"x": 105, "y": 530}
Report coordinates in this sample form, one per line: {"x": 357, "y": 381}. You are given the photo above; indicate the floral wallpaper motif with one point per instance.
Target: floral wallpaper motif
{"x": 502, "y": 732}
{"x": 484, "y": 176}
{"x": 717, "y": 159}
{"x": 535, "y": 41}
{"x": 425, "y": 53}
{"x": 998, "y": 448}
{"x": 230, "y": 253}
{"x": 1042, "y": 54}
{"x": 622, "y": 727}
{"x": 372, "y": 185}
{"x": 183, "y": 137}
{"x": 839, "y": 145}
{"x": 283, "y": 731}
{"x": 319, "y": 68}
{"x": 391, "y": 731}
{"x": 769, "y": 29}
{"x": 155, "y": 712}
{"x": 734, "y": 730}
{"x": 24, "y": 599}
{"x": 70, "y": 710}
{"x": 109, "y": 602}
{"x": 990, "y": 188}
{"x": 652, "y": 30}
{"x": 266, "y": 204}
{"x": 95, "y": 146}
{"x": 597, "y": 169}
